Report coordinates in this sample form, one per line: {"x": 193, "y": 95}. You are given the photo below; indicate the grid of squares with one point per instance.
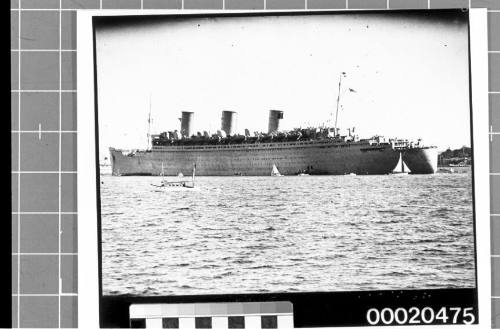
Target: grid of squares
{"x": 43, "y": 108}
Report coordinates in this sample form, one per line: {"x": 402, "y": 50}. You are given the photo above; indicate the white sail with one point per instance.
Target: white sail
{"x": 275, "y": 171}
{"x": 401, "y": 167}
{"x": 194, "y": 173}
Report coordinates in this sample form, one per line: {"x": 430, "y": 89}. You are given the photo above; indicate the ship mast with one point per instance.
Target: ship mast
{"x": 149, "y": 124}
{"x": 338, "y": 101}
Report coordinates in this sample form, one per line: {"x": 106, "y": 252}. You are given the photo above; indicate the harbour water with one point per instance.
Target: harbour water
{"x": 287, "y": 234}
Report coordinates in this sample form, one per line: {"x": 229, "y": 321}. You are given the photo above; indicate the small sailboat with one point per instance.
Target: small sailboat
{"x": 179, "y": 183}
{"x": 275, "y": 172}
{"x": 445, "y": 170}
{"x": 401, "y": 165}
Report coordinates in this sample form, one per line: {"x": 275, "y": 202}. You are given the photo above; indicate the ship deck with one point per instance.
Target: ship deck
{"x": 239, "y": 146}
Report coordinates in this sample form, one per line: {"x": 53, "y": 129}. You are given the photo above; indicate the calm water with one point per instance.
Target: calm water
{"x": 287, "y": 234}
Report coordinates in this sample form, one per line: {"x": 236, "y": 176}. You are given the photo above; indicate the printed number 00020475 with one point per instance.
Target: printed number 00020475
{"x": 426, "y": 315}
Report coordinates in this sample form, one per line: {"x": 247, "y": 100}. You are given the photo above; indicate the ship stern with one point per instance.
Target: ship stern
{"x": 113, "y": 154}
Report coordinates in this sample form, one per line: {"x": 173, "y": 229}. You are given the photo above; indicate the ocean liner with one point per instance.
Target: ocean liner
{"x": 314, "y": 151}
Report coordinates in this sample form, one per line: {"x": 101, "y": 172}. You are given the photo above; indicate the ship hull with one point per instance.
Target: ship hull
{"x": 258, "y": 160}
{"x": 421, "y": 160}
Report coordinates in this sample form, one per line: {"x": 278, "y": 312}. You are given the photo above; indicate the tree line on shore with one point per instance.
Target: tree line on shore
{"x": 460, "y": 156}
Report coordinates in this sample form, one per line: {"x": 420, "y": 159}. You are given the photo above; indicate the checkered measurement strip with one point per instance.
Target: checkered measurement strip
{"x": 212, "y": 315}
{"x": 43, "y": 98}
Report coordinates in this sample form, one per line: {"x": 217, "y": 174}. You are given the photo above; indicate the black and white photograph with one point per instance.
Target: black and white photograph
{"x": 285, "y": 153}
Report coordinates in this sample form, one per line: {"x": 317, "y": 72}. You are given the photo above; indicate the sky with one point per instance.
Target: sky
{"x": 409, "y": 73}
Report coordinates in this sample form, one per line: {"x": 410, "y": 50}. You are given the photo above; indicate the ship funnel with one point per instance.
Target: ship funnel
{"x": 187, "y": 124}
{"x": 228, "y": 122}
{"x": 274, "y": 121}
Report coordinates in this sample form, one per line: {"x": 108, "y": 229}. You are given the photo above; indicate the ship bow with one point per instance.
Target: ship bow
{"x": 421, "y": 160}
